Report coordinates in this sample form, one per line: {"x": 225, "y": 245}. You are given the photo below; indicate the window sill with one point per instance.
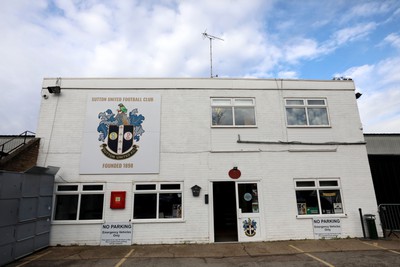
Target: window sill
{"x": 309, "y": 126}
{"x": 311, "y": 216}
{"x": 138, "y": 221}
{"x": 77, "y": 222}
{"x": 233, "y": 126}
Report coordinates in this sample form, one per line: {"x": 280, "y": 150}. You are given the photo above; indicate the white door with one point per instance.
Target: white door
{"x": 249, "y": 217}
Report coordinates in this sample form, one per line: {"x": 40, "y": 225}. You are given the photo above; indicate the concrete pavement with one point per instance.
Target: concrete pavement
{"x": 117, "y": 255}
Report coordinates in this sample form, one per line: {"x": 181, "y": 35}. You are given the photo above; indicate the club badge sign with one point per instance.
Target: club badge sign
{"x": 121, "y": 134}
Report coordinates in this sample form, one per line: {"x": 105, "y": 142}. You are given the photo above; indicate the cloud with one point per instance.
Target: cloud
{"x": 96, "y": 38}
{"x": 393, "y": 39}
{"x": 379, "y": 105}
{"x": 366, "y": 9}
{"x": 288, "y": 75}
{"x": 353, "y": 33}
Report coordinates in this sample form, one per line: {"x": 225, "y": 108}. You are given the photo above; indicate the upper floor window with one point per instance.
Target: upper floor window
{"x": 233, "y": 112}
{"x": 78, "y": 202}
{"x": 306, "y": 112}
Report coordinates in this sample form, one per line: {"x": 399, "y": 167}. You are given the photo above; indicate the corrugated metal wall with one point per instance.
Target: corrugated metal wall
{"x": 25, "y": 205}
{"x": 383, "y": 144}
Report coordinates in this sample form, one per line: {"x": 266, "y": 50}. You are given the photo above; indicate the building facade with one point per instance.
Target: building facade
{"x": 204, "y": 160}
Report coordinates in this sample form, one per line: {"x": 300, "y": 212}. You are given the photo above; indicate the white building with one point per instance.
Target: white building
{"x": 275, "y": 159}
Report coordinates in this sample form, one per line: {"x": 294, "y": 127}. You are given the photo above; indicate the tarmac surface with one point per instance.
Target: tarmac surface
{"x": 337, "y": 252}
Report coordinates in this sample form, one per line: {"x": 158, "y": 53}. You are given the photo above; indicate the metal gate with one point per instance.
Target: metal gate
{"x": 390, "y": 218}
{"x": 25, "y": 205}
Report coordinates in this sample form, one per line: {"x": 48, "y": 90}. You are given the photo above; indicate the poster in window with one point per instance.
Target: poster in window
{"x": 337, "y": 207}
{"x": 302, "y": 208}
{"x": 121, "y": 134}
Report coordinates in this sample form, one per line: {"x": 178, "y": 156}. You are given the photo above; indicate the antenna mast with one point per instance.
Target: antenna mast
{"x": 211, "y": 37}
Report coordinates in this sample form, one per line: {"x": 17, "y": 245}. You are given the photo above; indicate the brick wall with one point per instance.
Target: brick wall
{"x": 22, "y": 159}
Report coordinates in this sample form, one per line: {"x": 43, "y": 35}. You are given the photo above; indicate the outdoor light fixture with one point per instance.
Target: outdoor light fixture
{"x": 196, "y": 190}
{"x": 358, "y": 95}
{"x": 54, "y": 89}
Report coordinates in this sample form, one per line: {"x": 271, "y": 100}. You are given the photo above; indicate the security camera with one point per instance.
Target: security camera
{"x": 45, "y": 96}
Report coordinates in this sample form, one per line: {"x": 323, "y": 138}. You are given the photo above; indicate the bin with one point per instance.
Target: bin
{"x": 371, "y": 227}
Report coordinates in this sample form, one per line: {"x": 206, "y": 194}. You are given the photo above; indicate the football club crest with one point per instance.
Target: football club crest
{"x": 249, "y": 227}
{"x": 120, "y": 133}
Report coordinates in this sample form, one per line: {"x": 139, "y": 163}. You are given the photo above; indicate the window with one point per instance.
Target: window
{"x": 79, "y": 202}
{"x": 233, "y": 112}
{"x": 248, "y": 198}
{"x": 318, "y": 196}
{"x": 157, "y": 201}
{"x": 306, "y": 112}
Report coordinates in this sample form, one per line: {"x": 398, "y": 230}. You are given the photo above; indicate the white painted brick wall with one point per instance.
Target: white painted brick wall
{"x": 195, "y": 153}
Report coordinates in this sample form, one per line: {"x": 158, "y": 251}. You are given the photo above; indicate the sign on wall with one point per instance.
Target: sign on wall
{"x": 121, "y": 134}
{"x": 116, "y": 234}
{"x": 327, "y": 227}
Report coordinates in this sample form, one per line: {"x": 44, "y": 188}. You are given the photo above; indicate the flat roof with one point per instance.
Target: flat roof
{"x": 197, "y": 83}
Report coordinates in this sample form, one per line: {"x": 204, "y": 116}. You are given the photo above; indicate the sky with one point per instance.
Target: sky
{"x": 308, "y": 39}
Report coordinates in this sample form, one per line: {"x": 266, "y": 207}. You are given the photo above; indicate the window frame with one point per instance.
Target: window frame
{"x": 80, "y": 191}
{"x": 157, "y": 191}
{"x": 318, "y": 187}
{"x": 307, "y": 106}
{"x": 232, "y": 105}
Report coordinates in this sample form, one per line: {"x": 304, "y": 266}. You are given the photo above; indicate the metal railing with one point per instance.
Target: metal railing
{"x": 390, "y": 218}
{"x": 14, "y": 143}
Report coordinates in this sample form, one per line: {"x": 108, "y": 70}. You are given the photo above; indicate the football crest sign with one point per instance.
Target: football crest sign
{"x": 121, "y": 134}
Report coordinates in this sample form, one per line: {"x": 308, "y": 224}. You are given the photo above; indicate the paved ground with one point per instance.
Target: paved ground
{"x": 341, "y": 252}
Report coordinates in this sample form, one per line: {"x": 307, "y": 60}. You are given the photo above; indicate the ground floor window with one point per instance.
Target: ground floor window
{"x": 318, "y": 196}
{"x": 157, "y": 201}
{"x": 74, "y": 202}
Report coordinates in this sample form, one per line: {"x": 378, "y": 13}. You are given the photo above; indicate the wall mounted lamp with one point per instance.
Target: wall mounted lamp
{"x": 358, "y": 95}
{"x": 196, "y": 190}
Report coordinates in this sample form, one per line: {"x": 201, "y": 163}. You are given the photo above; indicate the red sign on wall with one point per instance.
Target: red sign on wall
{"x": 118, "y": 199}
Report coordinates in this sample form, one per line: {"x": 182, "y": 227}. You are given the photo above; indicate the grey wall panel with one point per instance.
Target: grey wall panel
{"x": 9, "y": 211}
{"x": 10, "y": 185}
{"x": 25, "y": 230}
{"x": 41, "y": 241}
{"x": 43, "y": 226}
{"x": 46, "y": 185}
{"x": 30, "y": 185}
{"x": 6, "y": 254}
{"x": 28, "y": 208}
{"x": 23, "y": 248}
{"x": 7, "y": 235}
{"x": 44, "y": 208}
{"x": 25, "y": 212}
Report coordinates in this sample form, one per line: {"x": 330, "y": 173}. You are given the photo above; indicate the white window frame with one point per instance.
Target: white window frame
{"x": 157, "y": 191}
{"x": 317, "y": 186}
{"x": 306, "y": 106}
{"x": 79, "y": 191}
{"x": 233, "y": 104}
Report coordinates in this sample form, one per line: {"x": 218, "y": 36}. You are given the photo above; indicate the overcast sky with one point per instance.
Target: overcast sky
{"x": 309, "y": 39}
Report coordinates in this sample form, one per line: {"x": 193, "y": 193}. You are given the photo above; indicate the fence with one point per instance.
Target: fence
{"x": 14, "y": 143}
{"x": 390, "y": 218}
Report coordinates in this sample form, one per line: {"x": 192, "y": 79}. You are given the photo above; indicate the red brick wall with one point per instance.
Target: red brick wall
{"x": 22, "y": 159}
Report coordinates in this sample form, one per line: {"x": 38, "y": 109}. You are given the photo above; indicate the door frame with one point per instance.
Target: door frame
{"x": 211, "y": 207}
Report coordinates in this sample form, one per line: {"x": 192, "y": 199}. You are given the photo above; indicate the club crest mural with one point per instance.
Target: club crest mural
{"x": 122, "y": 134}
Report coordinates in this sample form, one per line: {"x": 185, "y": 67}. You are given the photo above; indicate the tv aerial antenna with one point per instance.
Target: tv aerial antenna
{"x": 211, "y": 38}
